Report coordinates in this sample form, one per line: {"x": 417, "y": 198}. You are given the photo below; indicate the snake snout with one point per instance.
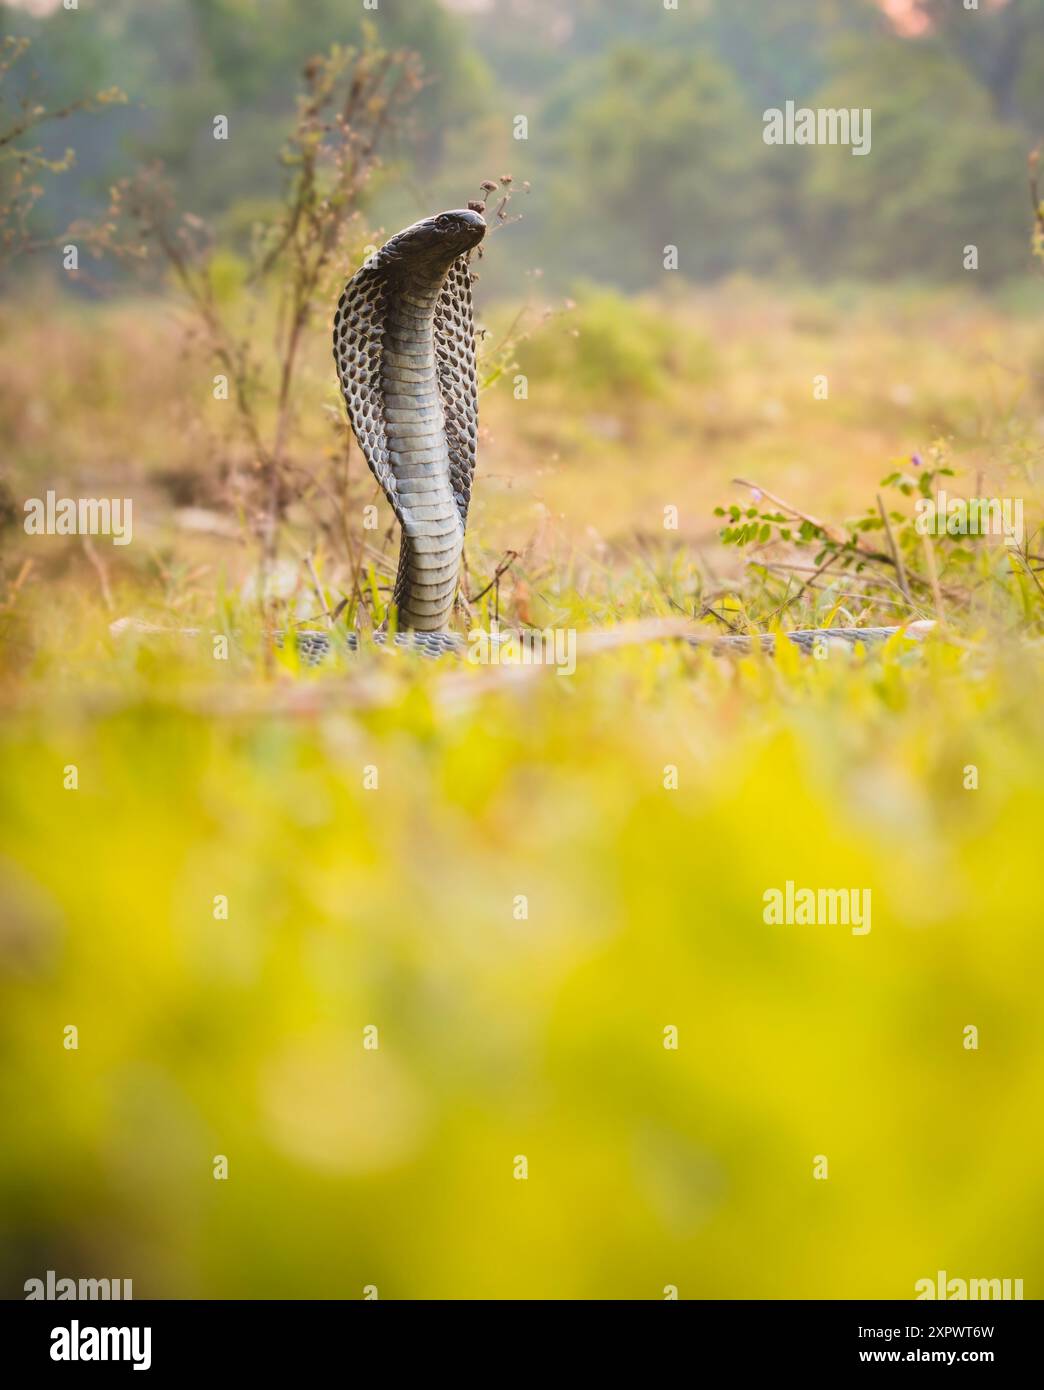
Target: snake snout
{"x": 467, "y": 228}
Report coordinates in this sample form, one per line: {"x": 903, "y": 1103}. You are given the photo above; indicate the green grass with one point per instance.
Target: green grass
{"x": 396, "y": 907}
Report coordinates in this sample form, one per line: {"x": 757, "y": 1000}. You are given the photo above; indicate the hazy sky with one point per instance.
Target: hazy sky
{"x": 903, "y": 12}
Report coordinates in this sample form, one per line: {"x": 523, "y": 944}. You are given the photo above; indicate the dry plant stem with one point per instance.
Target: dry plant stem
{"x": 15, "y": 587}
{"x": 311, "y": 235}
{"x": 198, "y": 291}
{"x": 808, "y": 583}
{"x": 36, "y": 115}
{"x": 849, "y": 579}
{"x": 896, "y": 556}
{"x": 929, "y": 555}
{"x": 100, "y": 570}
{"x": 1038, "y": 206}
{"x": 1024, "y": 559}
{"x": 708, "y": 612}
{"x": 510, "y": 556}
{"x": 317, "y": 586}
{"x": 20, "y": 189}
{"x": 355, "y": 589}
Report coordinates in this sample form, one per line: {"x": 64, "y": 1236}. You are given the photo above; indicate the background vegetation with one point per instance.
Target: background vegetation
{"x": 645, "y": 124}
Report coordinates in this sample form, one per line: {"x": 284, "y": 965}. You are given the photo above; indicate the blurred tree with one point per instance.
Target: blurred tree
{"x": 645, "y": 123}
{"x": 182, "y": 62}
{"x": 656, "y": 148}
{"x": 1002, "y": 43}
{"x": 943, "y": 172}
{"x": 783, "y": 51}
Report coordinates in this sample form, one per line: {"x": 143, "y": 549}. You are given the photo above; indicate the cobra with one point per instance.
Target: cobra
{"x": 404, "y": 344}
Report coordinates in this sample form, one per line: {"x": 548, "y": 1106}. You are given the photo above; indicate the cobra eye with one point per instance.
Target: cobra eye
{"x": 444, "y": 222}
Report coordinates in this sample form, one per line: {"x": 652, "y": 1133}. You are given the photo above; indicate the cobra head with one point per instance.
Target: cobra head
{"x": 437, "y": 241}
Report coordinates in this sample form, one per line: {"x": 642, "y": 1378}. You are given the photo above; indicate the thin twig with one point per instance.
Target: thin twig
{"x": 317, "y": 586}
{"x": 896, "y": 556}
{"x": 510, "y": 557}
{"x": 929, "y": 555}
{"x": 100, "y": 571}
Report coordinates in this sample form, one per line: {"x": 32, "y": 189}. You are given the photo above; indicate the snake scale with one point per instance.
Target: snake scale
{"x": 404, "y": 345}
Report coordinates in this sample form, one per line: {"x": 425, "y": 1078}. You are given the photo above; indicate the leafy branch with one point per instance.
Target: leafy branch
{"x": 887, "y": 561}
{"x": 22, "y": 165}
